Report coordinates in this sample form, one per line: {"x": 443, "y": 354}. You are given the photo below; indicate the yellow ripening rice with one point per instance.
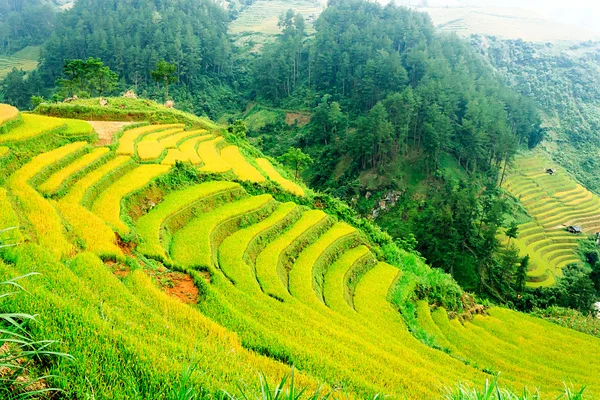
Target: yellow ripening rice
{"x": 241, "y": 167}
{"x": 231, "y": 252}
{"x": 108, "y": 205}
{"x": 97, "y": 236}
{"x": 42, "y": 216}
{"x": 3, "y": 151}
{"x": 171, "y": 142}
{"x": 33, "y": 125}
{"x": 149, "y": 225}
{"x": 77, "y": 191}
{"x": 58, "y": 178}
{"x": 148, "y": 151}
{"x": 189, "y": 146}
{"x": 335, "y": 288}
{"x": 156, "y": 136}
{"x": 127, "y": 141}
{"x": 268, "y": 272}
{"x": 174, "y": 155}
{"x": 301, "y": 278}
{"x": 275, "y": 176}
{"x": 213, "y": 162}
{"x": 7, "y": 113}
{"x": 193, "y": 245}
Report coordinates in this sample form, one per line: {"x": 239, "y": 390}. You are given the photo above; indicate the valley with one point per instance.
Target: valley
{"x": 281, "y": 281}
{"x": 304, "y": 200}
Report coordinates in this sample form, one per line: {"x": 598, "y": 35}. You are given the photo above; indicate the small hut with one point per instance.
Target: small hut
{"x": 550, "y": 171}
{"x": 576, "y": 229}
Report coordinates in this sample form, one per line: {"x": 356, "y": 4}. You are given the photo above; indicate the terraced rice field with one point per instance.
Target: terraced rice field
{"x": 33, "y": 126}
{"x": 26, "y": 59}
{"x": 262, "y": 16}
{"x": 169, "y": 144}
{"x": 275, "y": 176}
{"x": 281, "y": 284}
{"x": 554, "y": 202}
{"x": 8, "y": 113}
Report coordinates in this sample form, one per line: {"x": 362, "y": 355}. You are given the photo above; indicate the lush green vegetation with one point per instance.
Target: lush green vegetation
{"x": 24, "y": 60}
{"x": 393, "y": 107}
{"x": 399, "y": 112}
{"x": 131, "y": 38}
{"x": 564, "y": 82}
{"x": 279, "y": 283}
{"x": 25, "y": 23}
{"x": 368, "y": 104}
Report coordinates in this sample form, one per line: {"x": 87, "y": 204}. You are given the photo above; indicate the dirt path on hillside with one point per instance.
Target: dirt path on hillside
{"x": 106, "y": 130}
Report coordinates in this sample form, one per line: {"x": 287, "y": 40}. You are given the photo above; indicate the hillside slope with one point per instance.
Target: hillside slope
{"x": 555, "y": 202}
{"x": 279, "y": 279}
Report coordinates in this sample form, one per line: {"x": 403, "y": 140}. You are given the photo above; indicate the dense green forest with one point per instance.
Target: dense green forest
{"x": 25, "y": 23}
{"x": 131, "y": 37}
{"x": 412, "y": 127}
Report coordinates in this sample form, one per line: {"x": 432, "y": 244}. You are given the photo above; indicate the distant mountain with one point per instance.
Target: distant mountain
{"x": 524, "y": 20}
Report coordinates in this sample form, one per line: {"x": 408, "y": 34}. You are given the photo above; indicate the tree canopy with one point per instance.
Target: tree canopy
{"x": 131, "y": 37}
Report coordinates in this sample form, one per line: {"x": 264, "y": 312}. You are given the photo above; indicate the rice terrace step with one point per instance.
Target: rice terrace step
{"x": 282, "y": 278}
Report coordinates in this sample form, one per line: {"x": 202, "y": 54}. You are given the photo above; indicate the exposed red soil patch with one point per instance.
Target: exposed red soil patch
{"x": 106, "y": 130}
{"x": 180, "y": 286}
{"x": 126, "y": 247}
{"x": 297, "y": 118}
{"x": 122, "y": 272}
{"x": 118, "y": 269}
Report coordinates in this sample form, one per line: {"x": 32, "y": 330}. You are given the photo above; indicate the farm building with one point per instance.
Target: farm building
{"x": 575, "y": 229}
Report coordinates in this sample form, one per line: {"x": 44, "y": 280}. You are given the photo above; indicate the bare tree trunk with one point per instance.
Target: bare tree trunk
{"x": 503, "y": 173}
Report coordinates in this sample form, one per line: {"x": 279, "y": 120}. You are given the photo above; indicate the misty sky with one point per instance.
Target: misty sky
{"x": 582, "y": 13}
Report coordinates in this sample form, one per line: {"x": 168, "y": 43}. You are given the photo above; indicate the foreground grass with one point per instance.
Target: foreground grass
{"x": 20, "y": 353}
{"x": 492, "y": 390}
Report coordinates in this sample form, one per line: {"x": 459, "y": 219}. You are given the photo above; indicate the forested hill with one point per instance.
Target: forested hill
{"x": 410, "y": 126}
{"x": 413, "y": 87}
{"x": 26, "y": 22}
{"x": 396, "y": 106}
{"x": 131, "y": 37}
{"x": 564, "y": 81}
